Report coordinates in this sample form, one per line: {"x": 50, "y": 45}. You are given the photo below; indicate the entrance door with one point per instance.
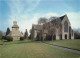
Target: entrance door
{"x": 65, "y": 36}
{"x": 69, "y": 36}
{"x": 60, "y": 37}
{"x": 54, "y": 37}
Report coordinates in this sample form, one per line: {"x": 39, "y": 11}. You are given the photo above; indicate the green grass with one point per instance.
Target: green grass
{"x": 17, "y": 42}
{"x": 0, "y": 41}
{"x": 74, "y": 44}
{"x": 29, "y": 49}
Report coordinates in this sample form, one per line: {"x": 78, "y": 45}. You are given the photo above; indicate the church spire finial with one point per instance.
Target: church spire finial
{"x": 15, "y": 22}
{"x": 15, "y": 18}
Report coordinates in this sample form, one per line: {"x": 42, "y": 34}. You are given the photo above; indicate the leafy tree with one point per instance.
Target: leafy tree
{"x": 76, "y": 34}
{"x": 8, "y": 31}
{"x": 26, "y": 34}
{"x": 32, "y": 33}
{"x": 9, "y": 38}
{"x": 0, "y": 34}
{"x": 31, "y": 36}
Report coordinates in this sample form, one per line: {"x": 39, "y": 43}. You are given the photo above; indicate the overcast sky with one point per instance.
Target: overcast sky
{"x": 28, "y": 12}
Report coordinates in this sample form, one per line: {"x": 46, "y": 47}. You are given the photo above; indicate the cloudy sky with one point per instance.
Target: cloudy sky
{"x": 28, "y": 12}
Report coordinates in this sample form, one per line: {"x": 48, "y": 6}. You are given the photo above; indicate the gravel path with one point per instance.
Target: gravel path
{"x": 61, "y": 47}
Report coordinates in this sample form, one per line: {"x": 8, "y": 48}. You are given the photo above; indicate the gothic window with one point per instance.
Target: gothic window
{"x": 44, "y": 27}
{"x": 72, "y": 32}
{"x": 65, "y": 26}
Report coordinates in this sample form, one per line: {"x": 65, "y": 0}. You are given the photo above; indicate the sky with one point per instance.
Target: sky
{"x": 27, "y": 12}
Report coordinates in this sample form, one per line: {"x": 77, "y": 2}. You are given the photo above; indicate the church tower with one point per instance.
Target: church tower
{"x": 15, "y": 33}
{"x": 15, "y": 27}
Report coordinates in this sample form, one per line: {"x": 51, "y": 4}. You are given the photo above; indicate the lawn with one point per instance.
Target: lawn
{"x": 0, "y": 41}
{"x": 74, "y": 44}
{"x": 33, "y": 49}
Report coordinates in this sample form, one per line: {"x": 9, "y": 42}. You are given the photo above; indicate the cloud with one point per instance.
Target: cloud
{"x": 74, "y": 18}
{"x": 27, "y": 24}
{"x": 22, "y": 6}
{"x": 24, "y": 22}
{"x": 20, "y": 9}
{"x": 48, "y": 15}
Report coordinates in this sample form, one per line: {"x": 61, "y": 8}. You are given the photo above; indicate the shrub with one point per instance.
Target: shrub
{"x": 21, "y": 38}
{"x": 48, "y": 38}
{"x": 8, "y": 38}
{"x": 4, "y": 37}
{"x": 0, "y": 35}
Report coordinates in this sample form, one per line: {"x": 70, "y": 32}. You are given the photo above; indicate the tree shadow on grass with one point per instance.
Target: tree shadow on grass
{"x": 19, "y": 42}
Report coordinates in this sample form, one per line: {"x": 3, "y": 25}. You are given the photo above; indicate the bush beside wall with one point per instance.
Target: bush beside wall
{"x": 22, "y": 38}
{"x": 8, "y": 38}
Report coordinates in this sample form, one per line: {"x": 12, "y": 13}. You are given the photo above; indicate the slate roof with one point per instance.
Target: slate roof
{"x": 18, "y": 34}
{"x": 62, "y": 17}
{"x": 38, "y": 27}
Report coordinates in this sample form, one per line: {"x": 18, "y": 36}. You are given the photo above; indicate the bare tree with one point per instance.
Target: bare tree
{"x": 42, "y": 20}
{"x": 55, "y": 21}
{"x": 53, "y": 18}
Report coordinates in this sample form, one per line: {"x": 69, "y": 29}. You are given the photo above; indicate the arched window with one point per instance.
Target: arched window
{"x": 65, "y": 26}
{"x": 72, "y": 32}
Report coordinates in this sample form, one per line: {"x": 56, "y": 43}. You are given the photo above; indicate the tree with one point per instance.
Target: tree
{"x": 32, "y": 33}
{"x": 56, "y": 21}
{"x": 8, "y": 31}
{"x": 53, "y": 18}
{"x": 0, "y": 34}
{"x": 42, "y": 20}
{"x": 26, "y": 34}
{"x": 30, "y": 36}
{"x": 76, "y": 34}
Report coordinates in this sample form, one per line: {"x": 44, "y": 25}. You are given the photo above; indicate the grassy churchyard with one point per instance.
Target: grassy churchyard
{"x": 34, "y": 49}
{"x": 74, "y": 44}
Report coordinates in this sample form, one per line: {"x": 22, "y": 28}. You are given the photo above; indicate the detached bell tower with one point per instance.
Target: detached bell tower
{"x": 15, "y": 33}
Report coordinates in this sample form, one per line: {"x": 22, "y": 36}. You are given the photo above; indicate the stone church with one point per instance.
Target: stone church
{"x": 56, "y": 29}
{"x": 15, "y": 33}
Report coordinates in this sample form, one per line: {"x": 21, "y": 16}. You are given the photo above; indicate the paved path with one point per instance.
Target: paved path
{"x": 61, "y": 47}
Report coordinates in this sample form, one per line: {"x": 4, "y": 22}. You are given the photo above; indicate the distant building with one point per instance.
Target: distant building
{"x": 56, "y": 29}
{"x": 15, "y": 33}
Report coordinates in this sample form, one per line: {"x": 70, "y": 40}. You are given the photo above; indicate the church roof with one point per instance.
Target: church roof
{"x": 17, "y": 34}
{"x": 37, "y": 27}
{"x": 62, "y": 17}
{"x": 57, "y": 21}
